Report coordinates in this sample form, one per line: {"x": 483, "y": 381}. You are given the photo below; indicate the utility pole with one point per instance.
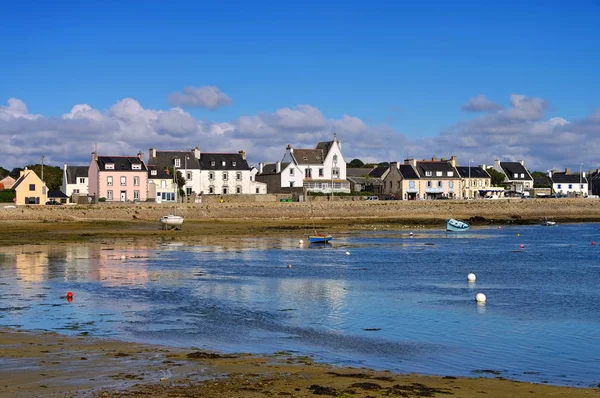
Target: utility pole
{"x": 580, "y": 179}
{"x": 43, "y": 168}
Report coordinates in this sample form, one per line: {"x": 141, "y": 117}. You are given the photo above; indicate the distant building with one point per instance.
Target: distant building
{"x": 75, "y": 180}
{"x": 441, "y": 178}
{"x": 7, "y": 182}
{"x": 30, "y": 189}
{"x": 517, "y": 177}
{"x": 473, "y": 180}
{"x": 118, "y": 178}
{"x": 567, "y": 183}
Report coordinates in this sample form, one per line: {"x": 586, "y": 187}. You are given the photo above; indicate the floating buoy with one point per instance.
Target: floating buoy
{"x": 123, "y": 257}
{"x": 522, "y": 246}
{"x": 471, "y": 277}
{"x": 301, "y": 241}
{"x": 410, "y": 234}
{"x": 347, "y": 253}
{"x": 480, "y": 298}
{"x": 69, "y": 295}
{"x": 499, "y": 227}
{"x": 289, "y": 265}
{"x": 518, "y": 234}
{"x": 593, "y": 243}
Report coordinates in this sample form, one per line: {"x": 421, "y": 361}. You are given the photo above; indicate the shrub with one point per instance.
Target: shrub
{"x": 101, "y": 199}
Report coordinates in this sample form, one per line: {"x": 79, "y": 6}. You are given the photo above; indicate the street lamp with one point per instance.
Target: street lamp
{"x": 185, "y": 166}
{"x": 580, "y": 179}
{"x": 470, "y": 161}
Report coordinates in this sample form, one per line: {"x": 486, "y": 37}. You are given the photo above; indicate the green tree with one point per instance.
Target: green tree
{"x": 16, "y": 172}
{"x": 497, "y": 176}
{"x": 356, "y": 164}
{"x": 180, "y": 182}
{"x": 538, "y": 174}
{"x": 3, "y": 172}
{"x": 53, "y": 175}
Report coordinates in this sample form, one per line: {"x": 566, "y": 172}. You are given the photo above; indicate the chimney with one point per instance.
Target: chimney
{"x": 289, "y": 148}
{"x": 278, "y": 167}
{"x": 65, "y": 167}
{"x": 243, "y": 153}
{"x": 260, "y": 167}
{"x": 483, "y": 166}
{"x": 522, "y": 162}
{"x": 141, "y": 155}
{"x": 434, "y": 159}
{"x": 453, "y": 161}
{"x": 94, "y": 156}
{"x": 412, "y": 162}
{"x": 567, "y": 171}
{"x": 197, "y": 153}
{"x": 497, "y": 164}
{"x": 550, "y": 173}
{"x": 398, "y": 165}
{"x": 443, "y": 159}
{"x": 152, "y": 154}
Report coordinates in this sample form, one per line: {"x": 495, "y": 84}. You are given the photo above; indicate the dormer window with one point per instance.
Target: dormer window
{"x": 223, "y": 163}
{"x": 213, "y": 163}
{"x": 428, "y": 173}
{"x": 109, "y": 166}
{"x": 153, "y": 172}
{"x": 516, "y": 175}
{"x": 233, "y": 164}
{"x": 136, "y": 166}
{"x": 438, "y": 173}
{"x": 177, "y": 162}
{"x": 450, "y": 174}
{"x": 522, "y": 175}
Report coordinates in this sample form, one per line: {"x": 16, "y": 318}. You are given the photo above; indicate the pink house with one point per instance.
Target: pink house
{"x": 118, "y": 178}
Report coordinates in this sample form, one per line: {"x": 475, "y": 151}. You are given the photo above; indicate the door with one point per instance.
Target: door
{"x": 123, "y": 196}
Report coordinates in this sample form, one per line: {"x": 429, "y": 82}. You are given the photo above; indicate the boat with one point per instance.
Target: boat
{"x": 319, "y": 238}
{"x": 171, "y": 221}
{"x": 453, "y": 225}
{"x": 548, "y": 223}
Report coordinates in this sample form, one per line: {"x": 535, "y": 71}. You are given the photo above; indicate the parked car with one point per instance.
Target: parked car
{"x": 372, "y": 198}
{"x": 53, "y": 202}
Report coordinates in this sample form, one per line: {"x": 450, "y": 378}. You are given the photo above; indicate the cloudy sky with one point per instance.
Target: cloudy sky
{"x": 393, "y": 79}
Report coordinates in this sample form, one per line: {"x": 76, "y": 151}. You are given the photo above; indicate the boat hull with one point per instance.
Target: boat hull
{"x": 172, "y": 220}
{"x": 319, "y": 238}
{"x": 456, "y": 226}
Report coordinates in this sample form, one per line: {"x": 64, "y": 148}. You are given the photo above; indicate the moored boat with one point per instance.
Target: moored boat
{"x": 171, "y": 221}
{"x": 319, "y": 238}
{"x": 453, "y": 225}
{"x": 548, "y": 223}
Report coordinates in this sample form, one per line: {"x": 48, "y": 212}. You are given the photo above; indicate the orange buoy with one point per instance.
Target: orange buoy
{"x": 70, "y": 295}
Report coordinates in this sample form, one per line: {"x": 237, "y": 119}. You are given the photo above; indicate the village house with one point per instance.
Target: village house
{"x": 411, "y": 185}
{"x": 517, "y": 178}
{"x": 359, "y": 178}
{"x": 567, "y": 183}
{"x": 118, "y": 178}
{"x": 322, "y": 169}
{"x": 473, "y": 181}
{"x": 441, "y": 178}
{"x": 30, "y": 189}
{"x": 75, "y": 180}
{"x": 7, "y": 182}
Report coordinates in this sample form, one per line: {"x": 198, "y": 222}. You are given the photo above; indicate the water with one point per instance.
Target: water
{"x": 396, "y": 302}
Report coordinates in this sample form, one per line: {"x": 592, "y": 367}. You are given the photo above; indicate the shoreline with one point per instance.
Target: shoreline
{"x": 49, "y": 364}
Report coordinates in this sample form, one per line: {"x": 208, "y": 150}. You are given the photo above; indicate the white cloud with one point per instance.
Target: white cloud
{"x": 480, "y": 104}
{"x": 210, "y": 97}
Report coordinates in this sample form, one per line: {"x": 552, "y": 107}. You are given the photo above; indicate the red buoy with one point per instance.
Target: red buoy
{"x": 593, "y": 243}
{"x": 70, "y": 295}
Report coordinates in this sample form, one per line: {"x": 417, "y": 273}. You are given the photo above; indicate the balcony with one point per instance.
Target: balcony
{"x": 434, "y": 190}
{"x": 412, "y": 190}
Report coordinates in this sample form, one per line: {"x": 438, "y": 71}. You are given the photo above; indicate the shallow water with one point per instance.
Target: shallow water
{"x": 395, "y": 302}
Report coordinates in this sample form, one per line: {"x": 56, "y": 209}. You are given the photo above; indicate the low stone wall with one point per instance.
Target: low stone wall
{"x": 509, "y": 210}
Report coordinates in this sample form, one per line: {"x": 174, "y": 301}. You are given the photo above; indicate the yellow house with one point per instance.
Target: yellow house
{"x": 29, "y": 189}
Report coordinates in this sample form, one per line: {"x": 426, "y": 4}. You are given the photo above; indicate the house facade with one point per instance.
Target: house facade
{"x": 322, "y": 169}
{"x": 118, "y": 178}
{"x": 517, "y": 178}
{"x": 75, "y": 180}
{"x": 411, "y": 186}
{"x": 440, "y": 177}
{"x": 567, "y": 183}
{"x": 474, "y": 180}
{"x": 30, "y": 189}
{"x": 387, "y": 180}
{"x": 7, "y": 182}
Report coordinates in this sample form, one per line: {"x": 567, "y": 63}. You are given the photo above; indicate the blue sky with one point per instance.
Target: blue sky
{"x": 404, "y": 69}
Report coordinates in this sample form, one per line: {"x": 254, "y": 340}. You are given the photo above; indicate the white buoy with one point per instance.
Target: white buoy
{"x": 471, "y": 277}
{"x": 301, "y": 241}
{"x": 347, "y": 253}
{"x": 123, "y": 257}
{"x": 480, "y": 298}
{"x": 289, "y": 266}
{"x": 410, "y": 234}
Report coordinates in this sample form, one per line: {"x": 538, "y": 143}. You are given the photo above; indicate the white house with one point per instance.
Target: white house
{"x": 75, "y": 180}
{"x": 567, "y": 183}
{"x": 517, "y": 177}
{"x": 322, "y": 169}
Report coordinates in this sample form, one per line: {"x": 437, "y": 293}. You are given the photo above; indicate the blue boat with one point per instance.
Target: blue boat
{"x": 319, "y": 238}
{"x": 453, "y": 225}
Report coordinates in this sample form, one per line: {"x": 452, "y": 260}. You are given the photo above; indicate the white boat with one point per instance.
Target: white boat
{"x": 171, "y": 221}
{"x": 548, "y": 223}
{"x": 453, "y": 225}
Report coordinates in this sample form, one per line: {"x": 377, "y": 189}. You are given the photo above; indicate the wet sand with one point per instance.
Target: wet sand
{"x": 52, "y": 365}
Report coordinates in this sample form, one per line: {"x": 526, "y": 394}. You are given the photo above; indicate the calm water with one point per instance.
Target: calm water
{"x": 541, "y": 322}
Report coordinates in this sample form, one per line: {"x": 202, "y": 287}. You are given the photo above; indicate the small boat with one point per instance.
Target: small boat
{"x": 548, "y": 223}
{"x": 453, "y": 225}
{"x": 171, "y": 221}
{"x": 319, "y": 238}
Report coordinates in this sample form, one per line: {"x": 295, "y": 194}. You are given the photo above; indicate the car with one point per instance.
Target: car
{"x": 53, "y": 202}
{"x": 372, "y": 198}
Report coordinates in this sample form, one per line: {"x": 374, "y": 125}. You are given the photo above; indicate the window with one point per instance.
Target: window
{"x": 32, "y": 187}
{"x": 440, "y": 184}
{"x": 188, "y": 191}
{"x": 291, "y": 172}
{"x": 450, "y": 174}
{"x": 291, "y": 184}
{"x": 238, "y": 176}
{"x": 308, "y": 173}
{"x": 411, "y": 184}
{"x": 516, "y": 175}
{"x": 238, "y": 189}
{"x": 428, "y": 173}
{"x": 522, "y": 175}
{"x": 321, "y": 172}
{"x": 76, "y": 191}
{"x": 251, "y": 178}
{"x": 398, "y": 185}
{"x": 429, "y": 185}
{"x": 109, "y": 166}
{"x": 136, "y": 166}
{"x": 225, "y": 190}
{"x": 335, "y": 172}
{"x": 82, "y": 180}
{"x": 570, "y": 186}
{"x": 211, "y": 176}
{"x": 223, "y": 163}
{"x": 188, "y": 175}
{"x": 153, "y": 172}
{"x": 581, "y": 186}
{"x": 558, "y": 186}
{"x": 334, "y": 158}
{"x": 211, "y": 189}
{"x": 213, "y": 163}
{"x": 163, "y": 184}
{"x": 438, "y": 173}
{"x": 233, "y": 164}
{"x": 123, "y": 181}
{"x": 225, "y": 176}
{"x": 109, "y": 195}
{"x": 136, "y": 195}
{"x": 257, "y": 190}
{"x": 177, "y": 162}
{"x": 450, "y": 184}
{"x": 136, "y": 181}
{"x": 109, "y": 181}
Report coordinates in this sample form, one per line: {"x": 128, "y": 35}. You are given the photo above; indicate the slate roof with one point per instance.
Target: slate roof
{"x": 309, "y": 156}
{"x": 435, "y": 166}
{"x": 233, "y": 161}
{"x": 122, "y": 163}
{"x": 19, "y": 181}
{"x": 476, "y": 172}
{"x": 510, "y": 168}
{"x": 358, "y": 171}
{"x": 166, "y": 159}
{"x": 408, "y": 172}
{"x": 56, "y": 194}
{"x": 271, "y": 168}
{"x": 378, "y": 172}
{"x": 544, "y": 181}
{"x": 75, "y": 172}
{"x": 564, "y": 178}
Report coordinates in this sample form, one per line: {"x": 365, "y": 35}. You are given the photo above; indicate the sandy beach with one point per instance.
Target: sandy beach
{"x": 52, "y": 365}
